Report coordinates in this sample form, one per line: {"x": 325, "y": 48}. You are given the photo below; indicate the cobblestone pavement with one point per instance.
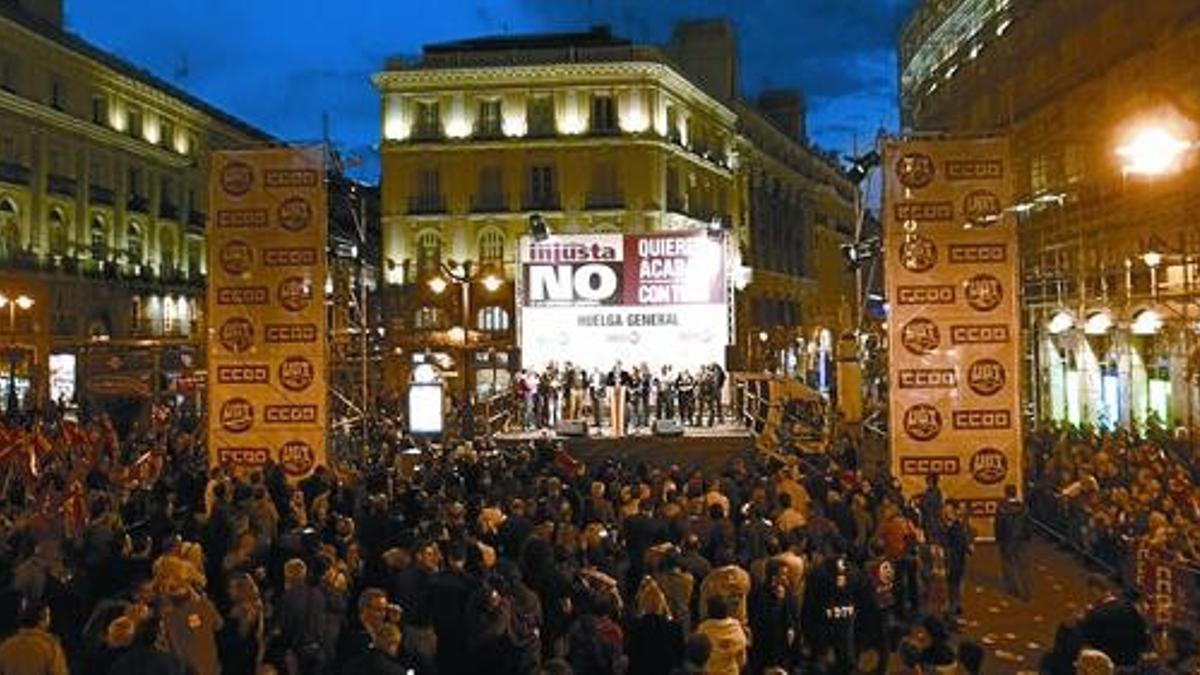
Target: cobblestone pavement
{"x": 1015, "y": 633}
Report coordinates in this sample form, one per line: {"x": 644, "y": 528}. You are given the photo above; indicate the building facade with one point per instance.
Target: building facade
{"x": 587, "y": 131}
{"x": 1109, "y": 257}
{"x": 103, "y": 185}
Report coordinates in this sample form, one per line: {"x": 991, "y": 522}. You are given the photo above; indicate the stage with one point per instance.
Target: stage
{"x": 705, "y": 448}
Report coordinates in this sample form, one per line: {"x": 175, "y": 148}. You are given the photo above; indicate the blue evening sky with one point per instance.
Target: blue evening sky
{"x": 281, "y": 65}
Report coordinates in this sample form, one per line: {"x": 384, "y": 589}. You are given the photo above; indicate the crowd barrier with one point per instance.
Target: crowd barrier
{"x": 1168, "y": 591}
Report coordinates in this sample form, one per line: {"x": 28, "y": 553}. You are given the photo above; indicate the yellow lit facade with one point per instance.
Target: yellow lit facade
{"x": 1109, "y": 258}
{"x": 590, "y": 132}
{"x": 102, "y": 194}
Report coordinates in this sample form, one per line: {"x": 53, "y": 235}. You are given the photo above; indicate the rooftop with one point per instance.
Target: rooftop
{"x": 12, "y": 12}
{"x": 598, "y": 36}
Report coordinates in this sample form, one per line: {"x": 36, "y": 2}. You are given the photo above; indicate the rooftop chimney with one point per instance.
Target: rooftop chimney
{"x": 706, "y": 50}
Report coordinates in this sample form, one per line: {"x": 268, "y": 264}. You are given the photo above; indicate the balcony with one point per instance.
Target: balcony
{"x": 16, "y": 174}
{"x": 422, "y": 132}
{"x": 159, "y": 327}
{"x": 102, "y": 196}
{"x": 61, "y": 185}
{"x": 426, "y": 204}
{"x": 489, "y": 130}
{"x": 168, "y": 210}
{"x": 196, "y": 219}
{"x": 541, "y": 202}
{"x": 138, "y": 204}
{"x": 675, "y": 204}
{"x": 489, "y": 203}
{"x": 605, "y": 200}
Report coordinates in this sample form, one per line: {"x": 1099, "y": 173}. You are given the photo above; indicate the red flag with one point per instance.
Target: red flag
{"x": 74, "y": 510}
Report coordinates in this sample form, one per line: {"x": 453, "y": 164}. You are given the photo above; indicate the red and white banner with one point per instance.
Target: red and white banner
{"x": 950, "y": 241}
{"x": 594, "y": 299}
{"x": 266, "y": 309}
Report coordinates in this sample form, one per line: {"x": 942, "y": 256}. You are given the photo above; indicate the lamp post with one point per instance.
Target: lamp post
{"x": 1154, "y": 151}
{"x": 22, "y": 302}
{"x": 462, "y": 276}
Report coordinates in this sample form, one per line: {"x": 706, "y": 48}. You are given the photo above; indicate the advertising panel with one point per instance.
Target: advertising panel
{"x": 266, "y": 309}
{"x": 951, "y": 246}
{"x": 595, "y": 299}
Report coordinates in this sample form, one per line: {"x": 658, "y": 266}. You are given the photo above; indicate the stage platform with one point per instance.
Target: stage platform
{"x": 705, "y": 448}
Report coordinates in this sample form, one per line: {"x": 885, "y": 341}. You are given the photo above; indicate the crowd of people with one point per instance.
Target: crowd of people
{"x": 622, "y": 399}
{"x": 127, "y": 553}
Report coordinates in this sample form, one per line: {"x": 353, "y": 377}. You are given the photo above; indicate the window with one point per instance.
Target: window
{"x": 1074, "y": 163}
{"x": 194, "y": 264}
{"x": 169, "y": 314}
{"x": 54, "y": 160}
{"x": 539, "y": 116}
{"x": 135, "y": 311}
{"x": 97, "y": 172}
{"x": 58, "y": 234}
{"x": 604, "y": 185}
{"x": 488, "y": 124}
{"x": 604, "y": 114}
{"x": 134, "y": 182}
{"x": 429, "y": 253}
{"x": 428, "y": 318}
{"x": 166, "y": 187}
{"x": 166, "y": 251}
{"x": 99, "y": 109}
{"x": 491, "y": 247}
{"x": 673, "y": 124}
{"x": 99, "y": 239}
{"x": 541, "y": 190}
{"x": 133, "y": 244}
{"x": 8, "y": 73}
{"x": 429, "y": 120}
{"x": 133, "y": 122}
{"x": 10, "y": 229}
{"x": 1039, "y": 173}
{"x": 492, "y": 319}
{"x": 427, "y": 197}
{"x": 491, "y": 190}
{"x": 8, "y": 149}
{"x": 166, "y": 132}
{"x": 58, "y": 93}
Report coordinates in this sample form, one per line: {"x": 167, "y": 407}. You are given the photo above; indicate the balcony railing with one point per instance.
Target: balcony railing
{"x": 61, "y": 185}
{"x": 138, "y": 203}
{"x": 541, "y": 202}
{"x": 423, "y": 132}
{"x": 158, "y": 327}
{"x": 605, "y": 200}
{"x": 489, "y": 203}
{"x": 98, "y": 194}
{"x": 11, "y": 172}
{"x": 168, "y": 210}
{"x": 426, "y": 204}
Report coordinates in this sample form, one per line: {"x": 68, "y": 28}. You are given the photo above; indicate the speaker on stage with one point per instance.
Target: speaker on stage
{"x": 571, "y": 428}
{"x": 667, "y": 428}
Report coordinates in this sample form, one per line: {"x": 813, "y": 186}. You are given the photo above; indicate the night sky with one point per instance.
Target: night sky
{"x": 280, "y": 65}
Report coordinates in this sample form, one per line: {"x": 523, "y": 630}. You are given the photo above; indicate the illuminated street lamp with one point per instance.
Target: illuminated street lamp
{"x": 1153, "y": 151}
{"x": 22, "y": 302}
{"x": 492, "y": 283}
{"x": 437, "y": 285}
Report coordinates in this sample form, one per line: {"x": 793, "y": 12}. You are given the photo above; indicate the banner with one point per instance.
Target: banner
{"x": 595, "y": 299}
{"x": 266, "y": 309}
{"x": 950, "y": 242}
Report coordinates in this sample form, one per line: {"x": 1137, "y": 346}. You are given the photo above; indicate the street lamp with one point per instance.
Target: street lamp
{"x": 1153, "y": 151}
{"x": 22, "y": 302}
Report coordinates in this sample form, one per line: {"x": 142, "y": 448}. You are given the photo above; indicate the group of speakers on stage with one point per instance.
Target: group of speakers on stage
{"x": 619, "y": 399}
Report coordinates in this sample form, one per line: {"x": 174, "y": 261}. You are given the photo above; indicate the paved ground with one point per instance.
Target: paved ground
{"x": 1016, "y": 633}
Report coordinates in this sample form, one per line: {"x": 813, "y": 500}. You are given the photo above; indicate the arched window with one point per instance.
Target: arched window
{"x": 166, "y": 250}
{"x": 491, "y": 247}
{"x": 492, "y": 319}
{"x": 429, "y": 252}
{"x": 10, "y": 229}
{"x": 98, "y": 239}
{"x": 135, "y": 312}
{"x": 58, "y": 233}
{"x": 428, "y": 318}
{"x": 133, "y": 244}
{"x": 169, "y": 314}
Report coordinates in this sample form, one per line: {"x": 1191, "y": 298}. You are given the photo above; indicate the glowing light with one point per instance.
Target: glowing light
{"x": 1098, "y": 323}
{"x": 182, "y": 145}
{"x": 1152, "y": 151}
{"x": 457, "y": 122}
{"x": 633, "y": 118}
{"x": 1152, "y": 259}
{"x": 396, "y": 124}
{"x": 975, "y": 48}
{"x": 1147, "y": 322}
{"x": 492, "y": 283}
{"x": 437, "y": 285}
{"x": 1003, "y": 27}
{"x": 762, "y": 336}
{"x": 514, "y": 125}
{"x": 152, "y": 130}
{"x": 1060, "y": 323}
{"x": 457, "y": 334}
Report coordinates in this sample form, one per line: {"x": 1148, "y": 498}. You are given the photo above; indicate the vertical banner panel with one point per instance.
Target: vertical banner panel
{"x": 266, "y": 309}
{"x": 950, "y": 242}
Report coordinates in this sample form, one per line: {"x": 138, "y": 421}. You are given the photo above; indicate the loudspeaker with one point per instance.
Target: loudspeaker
{"x": 667, "y": 428}
{"x": 571, "y": 428}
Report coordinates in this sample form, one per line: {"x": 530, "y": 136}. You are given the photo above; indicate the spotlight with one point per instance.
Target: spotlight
{"x": 861, "y": 166}
{"x": 857, "y": 253}
{"x": 538, "y": 228}
{"x": 716, "y": 229}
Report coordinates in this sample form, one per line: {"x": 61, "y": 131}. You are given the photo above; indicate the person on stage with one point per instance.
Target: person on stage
{"x": 685, "y": 385}
{"x": 618, "y": 383}
{"x": 665, "y": 388}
